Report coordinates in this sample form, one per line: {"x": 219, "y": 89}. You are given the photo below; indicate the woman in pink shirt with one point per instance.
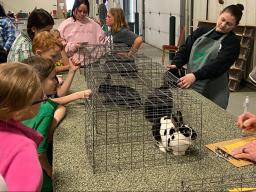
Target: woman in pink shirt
{"x": 80, "y": 28}
{"x": 19, "y": 99}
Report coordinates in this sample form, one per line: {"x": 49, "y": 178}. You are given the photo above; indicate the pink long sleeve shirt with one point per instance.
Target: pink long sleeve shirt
{"x": 75, "y": 32}
{"x": 19, "y": 163}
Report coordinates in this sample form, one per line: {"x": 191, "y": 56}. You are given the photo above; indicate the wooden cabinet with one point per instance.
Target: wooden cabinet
{"x": 238, "y": 70}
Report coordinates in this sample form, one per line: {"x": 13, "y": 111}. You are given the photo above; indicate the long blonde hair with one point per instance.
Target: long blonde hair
{"x": 119, "y": 19}
{"x": 19, "y": 83}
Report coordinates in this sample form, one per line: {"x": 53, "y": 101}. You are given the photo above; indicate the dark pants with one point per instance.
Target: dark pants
{"x": 3, "y": 56}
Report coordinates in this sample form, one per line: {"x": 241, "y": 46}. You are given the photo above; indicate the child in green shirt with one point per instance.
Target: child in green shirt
{"x": 47, "y": 117}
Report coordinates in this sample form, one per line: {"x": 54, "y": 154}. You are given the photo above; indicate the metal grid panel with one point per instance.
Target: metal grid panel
{"x": 121, "y": 113}
{"x": 224, "y": 182}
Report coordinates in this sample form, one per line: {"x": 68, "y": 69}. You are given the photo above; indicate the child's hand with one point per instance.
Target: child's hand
{"x": 60, "y": 79}
{"x": 74, "y": 64}
{"x": 64, "y": 42}
{"x": 85, "y": 94}
{"x": 77, "y": 46}
{"x": 49, "y": 172}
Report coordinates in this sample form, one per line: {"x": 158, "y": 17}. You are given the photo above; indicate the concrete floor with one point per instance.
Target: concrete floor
{"x": 236, "y": 99}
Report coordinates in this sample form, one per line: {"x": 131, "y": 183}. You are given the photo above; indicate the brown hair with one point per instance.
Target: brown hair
{"x": 19, "y": 83}
{"x": 38, "y": 18}
{"x": 43, "y": 66}
{"x": 119, "y": 19}
{"x": 45, "y": 41}
{"x": 77, "y": 4}
{"x": 235, "y": 10}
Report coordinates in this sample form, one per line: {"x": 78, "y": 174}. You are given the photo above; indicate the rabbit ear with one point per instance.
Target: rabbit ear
{"x": 156, "y": 130}
{"x": 175, "y": 120}
{"x": 163, "y": 119}
{"x": 179, "y": 117}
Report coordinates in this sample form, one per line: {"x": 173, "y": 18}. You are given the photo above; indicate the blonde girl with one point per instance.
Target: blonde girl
{"x": 20, "y": 98}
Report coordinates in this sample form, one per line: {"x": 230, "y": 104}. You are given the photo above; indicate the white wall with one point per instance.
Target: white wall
{"x": 29, "y": 5}
{"x": 199, "y": 11}
{"x": 249, "y": 13}
{"x": 160, "y": 22}
{"x": 140, "y": 14}
{"x": 70, "y": 4}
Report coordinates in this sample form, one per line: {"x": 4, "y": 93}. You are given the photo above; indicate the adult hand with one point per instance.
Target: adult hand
{"x": 132, "y": 52}
{"x": 126, "y": 54}
{"x": 186, "y": 81}
{"x": 247, "y": 122}
{"x": 248, "y": 151}
{"x": 170, "y": 66}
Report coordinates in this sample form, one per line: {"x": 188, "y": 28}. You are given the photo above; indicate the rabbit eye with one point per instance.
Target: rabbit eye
{"x": 171, "y": 131}
{"x": 185, "y": 131}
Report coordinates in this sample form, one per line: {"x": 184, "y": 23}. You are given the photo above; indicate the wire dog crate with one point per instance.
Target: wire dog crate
{"x": 130, "y": 95}
{"x": 223, "y": 182}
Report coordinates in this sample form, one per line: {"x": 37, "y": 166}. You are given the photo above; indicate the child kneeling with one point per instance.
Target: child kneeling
{"x": 51, "y": 111}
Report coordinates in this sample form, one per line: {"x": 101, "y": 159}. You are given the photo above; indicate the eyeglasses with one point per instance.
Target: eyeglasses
{"x": 43, "y": 100}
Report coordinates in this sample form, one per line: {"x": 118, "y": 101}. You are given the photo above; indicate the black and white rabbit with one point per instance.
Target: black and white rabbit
{"x": 172, "y": 134}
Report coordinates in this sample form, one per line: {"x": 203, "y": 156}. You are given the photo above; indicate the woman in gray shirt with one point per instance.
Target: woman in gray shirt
{"x": 120, "y": 31}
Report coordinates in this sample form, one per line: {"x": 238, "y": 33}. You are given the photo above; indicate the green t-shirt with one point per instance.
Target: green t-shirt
{"x": 42, "y": 122}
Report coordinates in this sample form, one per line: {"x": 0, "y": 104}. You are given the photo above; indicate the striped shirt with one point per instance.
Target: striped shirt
{"x": 21, "y": 48}
{"x": 7, "y": 33}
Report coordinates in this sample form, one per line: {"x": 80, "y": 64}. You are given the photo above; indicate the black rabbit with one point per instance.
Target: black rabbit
{"x": 119, "y": 94}
{"x": 158, "y": 104}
